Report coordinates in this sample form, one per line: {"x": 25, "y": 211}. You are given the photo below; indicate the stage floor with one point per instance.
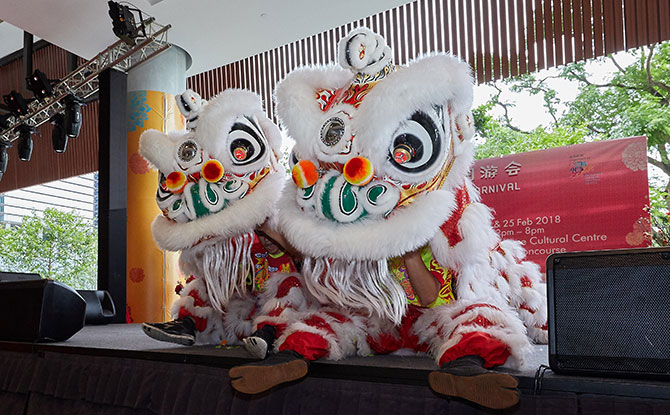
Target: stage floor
{"x": 128, "y": 341}
{"x": 117, "y": 369}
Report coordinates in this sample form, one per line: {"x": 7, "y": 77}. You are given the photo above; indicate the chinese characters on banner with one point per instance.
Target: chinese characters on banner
{"x": 583, "y": 197}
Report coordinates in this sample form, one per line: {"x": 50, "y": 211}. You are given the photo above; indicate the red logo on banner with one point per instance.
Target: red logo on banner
{"x": 583, "y": 197}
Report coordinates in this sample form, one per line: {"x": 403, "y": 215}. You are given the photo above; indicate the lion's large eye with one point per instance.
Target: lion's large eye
{"x": 416, "y": 144}
{"x": 247, "y": 143}
{"x": 332, "y": 131}
{"x": 187, "y": 151}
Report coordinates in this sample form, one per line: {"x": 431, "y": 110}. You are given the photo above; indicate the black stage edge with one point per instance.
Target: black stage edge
{"x": 116, "y": 369}
{"x": 112, "y": 124}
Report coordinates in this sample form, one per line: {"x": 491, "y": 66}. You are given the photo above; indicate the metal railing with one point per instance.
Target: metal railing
{"x": 83, "y": 81}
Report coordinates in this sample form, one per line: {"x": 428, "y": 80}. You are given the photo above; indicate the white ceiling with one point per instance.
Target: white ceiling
{"x": 213, "y": 32}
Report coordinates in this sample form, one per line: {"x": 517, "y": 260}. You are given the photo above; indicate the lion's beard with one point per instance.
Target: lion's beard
{"x": 360, "y": 285}
{"x": 224, "y": 264}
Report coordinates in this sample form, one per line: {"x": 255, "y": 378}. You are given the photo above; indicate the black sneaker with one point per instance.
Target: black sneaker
{"x": 175, "y": 331}
{"x": 260, "y": 342}
{"x": 466, "y": 378}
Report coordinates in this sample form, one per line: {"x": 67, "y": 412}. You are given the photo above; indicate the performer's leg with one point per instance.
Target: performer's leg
{"x": 238, "y": 318}
{"x": 280, "y": 303}
{"x": 468, "y": 338}
{"x": 327, "y": 333}
{"x": 194, "y": 318}
{"x": 383, "y": 337}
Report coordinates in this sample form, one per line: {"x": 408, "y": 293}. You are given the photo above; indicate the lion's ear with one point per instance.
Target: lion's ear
{"x": 158, "y": 149}
{"x": 299, "y": 98}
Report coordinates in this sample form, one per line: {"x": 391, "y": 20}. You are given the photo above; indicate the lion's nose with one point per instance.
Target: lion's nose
{"x": 358, "y": 171}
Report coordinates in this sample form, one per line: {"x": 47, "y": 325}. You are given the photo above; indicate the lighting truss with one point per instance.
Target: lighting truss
{"x": 83, "y": 82}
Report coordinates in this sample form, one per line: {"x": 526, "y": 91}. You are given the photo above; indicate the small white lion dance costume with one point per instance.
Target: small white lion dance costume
{"x": 217, "y": 184}
{"x": 382, "y": 159}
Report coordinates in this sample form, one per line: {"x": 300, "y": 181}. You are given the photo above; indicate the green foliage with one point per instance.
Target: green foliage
{"x": 634, "y": 102}
{"x": 60, "y": 245}
{"x": 502, "y": 140}
{"x": 660, "y": 217}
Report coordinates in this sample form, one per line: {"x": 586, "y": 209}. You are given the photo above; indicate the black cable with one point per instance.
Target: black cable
{"x": 539, "y": 376}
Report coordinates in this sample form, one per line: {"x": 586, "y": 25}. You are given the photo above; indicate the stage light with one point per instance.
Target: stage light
{"x": 73, "y": 118}
{"x": 4, "y": 159}
{"x": 25, "y": 145}
{"x": 16, "y": 103}
{"x": 123, "y": 22}
{"x": 58, "y": 136}
{"x": 40, "y": 85}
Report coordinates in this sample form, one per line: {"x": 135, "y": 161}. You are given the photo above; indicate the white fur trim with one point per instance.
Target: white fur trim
{"x": 478, "y": 239}
{"x": 219, "y": 115}
{"x": 237, "y": 218}
{"x": 376, "y": 52}
{"x": 506, "y": 327}
{"x": 158, "y": 148}
{"x": 350, "y": 334}
{"x": 349, "y": 338}
{"x": 534, "y": 297}
{"x": 538, "y": 335}
{"x": 213, "y": 332}
{"x": 406, "y": 229}
{"x": 195, "y": 104}
{"x": 460, "y": 170}
{"x": 295, "y": 298}
{"x": 236, "y": 324}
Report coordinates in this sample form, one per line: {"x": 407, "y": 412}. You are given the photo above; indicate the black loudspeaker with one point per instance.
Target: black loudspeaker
{"x": 18, "y": 276}
{"x": 39, "y": 311}
{"x": 609, "y": 312}
{"x": 99, "y": 306}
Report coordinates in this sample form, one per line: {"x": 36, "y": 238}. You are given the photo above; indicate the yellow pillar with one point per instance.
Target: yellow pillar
{"x": 151, "y": 273}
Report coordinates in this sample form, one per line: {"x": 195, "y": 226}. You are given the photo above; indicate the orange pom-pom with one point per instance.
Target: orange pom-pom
{"x": 175, "y": 182}
{"x": 358, "y": 171}
{"x": 212, "y": 170}
{"x": 305, "y": 174}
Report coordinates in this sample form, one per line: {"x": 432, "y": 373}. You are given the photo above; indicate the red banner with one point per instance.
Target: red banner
{"x": 582, "y": 197}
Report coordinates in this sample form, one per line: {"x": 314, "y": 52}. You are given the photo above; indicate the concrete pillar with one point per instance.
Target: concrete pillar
{"x": 151, "y": 273}
{"x": 112, "y": 218}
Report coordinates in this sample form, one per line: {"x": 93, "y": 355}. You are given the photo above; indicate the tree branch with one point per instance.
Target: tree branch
{"x": 664, "y": 153}
{"x": 541, "y": 81}
{"x": 508, "y": 121}
{"x": 594, "y": 129}
{"x": 649, "y": 89}
{"x": 651, "y": 81}
{"x": 648, "y": 65}
{"x": 616, "y": 64}
{"x": 659, "y": 164}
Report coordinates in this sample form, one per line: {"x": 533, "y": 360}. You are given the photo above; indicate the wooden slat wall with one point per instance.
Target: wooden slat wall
{"x": 81, "y": 156}
{"x": 499, "y": 38}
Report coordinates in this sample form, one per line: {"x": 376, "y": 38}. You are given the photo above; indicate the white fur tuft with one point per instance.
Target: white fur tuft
{"x": 405, "y": 230}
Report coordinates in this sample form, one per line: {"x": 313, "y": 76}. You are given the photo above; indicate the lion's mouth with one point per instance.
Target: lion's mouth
{"x": 201, "y": 195}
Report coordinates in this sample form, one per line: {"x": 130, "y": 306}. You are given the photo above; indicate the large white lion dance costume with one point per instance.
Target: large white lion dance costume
{"x": 218, "y": 184}
{"x": 385, "y": 213}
